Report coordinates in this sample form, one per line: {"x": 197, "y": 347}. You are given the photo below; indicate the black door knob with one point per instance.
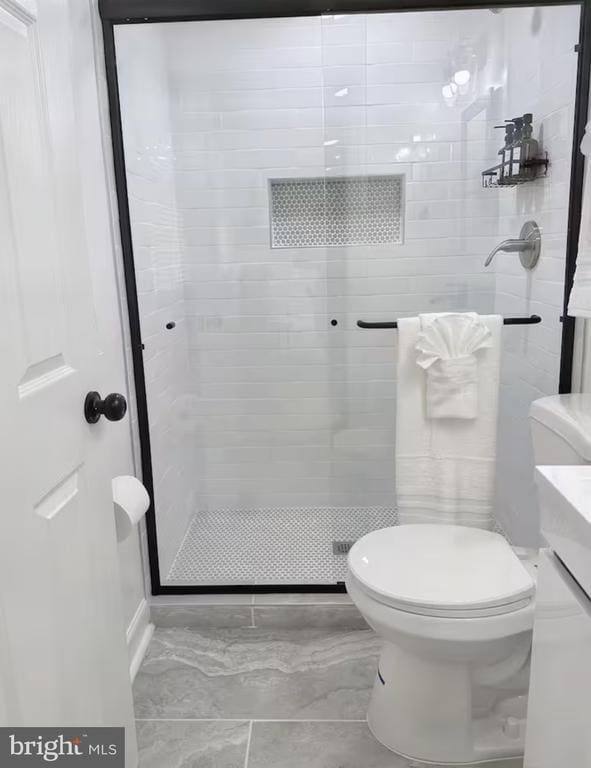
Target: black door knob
{"x": 113, "y": 407}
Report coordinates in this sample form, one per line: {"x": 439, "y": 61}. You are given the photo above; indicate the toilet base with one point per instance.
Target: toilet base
{"x": 422, "y": 709}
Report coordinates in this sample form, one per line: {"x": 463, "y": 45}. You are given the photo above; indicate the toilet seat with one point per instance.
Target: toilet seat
{"x": 441, "y": 570}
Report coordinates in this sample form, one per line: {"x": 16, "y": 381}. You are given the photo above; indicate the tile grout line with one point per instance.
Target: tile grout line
{"x": 252, "y": 605}
{"x": 247, "y": 754}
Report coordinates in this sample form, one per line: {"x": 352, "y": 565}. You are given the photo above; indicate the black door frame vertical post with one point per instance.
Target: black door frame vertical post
{"x": 575, "y": 195}
{"x": 132, "y": 296}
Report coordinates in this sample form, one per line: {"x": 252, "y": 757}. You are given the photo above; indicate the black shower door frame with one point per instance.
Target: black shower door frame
{"x": 115, "y": 12}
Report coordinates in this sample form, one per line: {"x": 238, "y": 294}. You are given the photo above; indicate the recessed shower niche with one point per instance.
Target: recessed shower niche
{"x": 337, "y": 211}
{"x": 286, "y": 178}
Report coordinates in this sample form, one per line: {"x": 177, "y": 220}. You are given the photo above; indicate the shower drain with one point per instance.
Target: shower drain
{"x": 341, "y": 547}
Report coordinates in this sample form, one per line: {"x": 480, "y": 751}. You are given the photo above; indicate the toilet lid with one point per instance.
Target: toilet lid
{"x": 440, "y": 568}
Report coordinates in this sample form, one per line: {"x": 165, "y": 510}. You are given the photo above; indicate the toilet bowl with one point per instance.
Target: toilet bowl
{"x": 454, "y": 608}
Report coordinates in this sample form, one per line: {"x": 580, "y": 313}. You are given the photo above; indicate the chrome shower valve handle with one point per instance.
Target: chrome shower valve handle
{"x": 527, "y": 245}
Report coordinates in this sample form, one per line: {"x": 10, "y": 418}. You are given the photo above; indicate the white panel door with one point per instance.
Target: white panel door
{"x": 63, "y": 658}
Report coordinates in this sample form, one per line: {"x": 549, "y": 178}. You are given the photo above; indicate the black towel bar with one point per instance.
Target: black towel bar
{"x": 531, "y": 320}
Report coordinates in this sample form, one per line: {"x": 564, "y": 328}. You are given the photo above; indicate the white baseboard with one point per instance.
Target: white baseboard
{"x": 139, "y": 634}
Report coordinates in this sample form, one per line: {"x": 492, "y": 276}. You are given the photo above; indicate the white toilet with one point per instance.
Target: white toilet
{"x": 454, "y": 607}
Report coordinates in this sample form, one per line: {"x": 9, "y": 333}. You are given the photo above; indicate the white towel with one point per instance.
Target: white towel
{"x": 445, "y": 468}
{"x": 447, "y": 348}
{"x": 579, "y": 303}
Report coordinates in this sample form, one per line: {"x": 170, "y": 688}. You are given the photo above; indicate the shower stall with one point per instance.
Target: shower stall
{"x": 282, "y": 178}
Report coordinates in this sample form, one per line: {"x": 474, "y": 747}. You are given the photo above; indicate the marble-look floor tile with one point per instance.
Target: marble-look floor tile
{"x": 202, "y": 616}
{"x": 168, "y": 744}
{"x": 318, "y": 745}
{"x": 257, "y": 674}
{"x": 329, "y": 745}
{"x": 303, "y": 598}
{"x": 222, "y": 598}
{"x": 321, "y": 616}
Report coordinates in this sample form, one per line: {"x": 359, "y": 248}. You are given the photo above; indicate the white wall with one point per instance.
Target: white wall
{"x": 293, "y": 412}
{"x": 152, "y": 188}
{"x": 584, "y": 382}
{"x": 538, "y": 50}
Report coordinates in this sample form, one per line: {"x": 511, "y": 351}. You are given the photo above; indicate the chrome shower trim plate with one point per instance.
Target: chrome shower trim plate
{"x": 530, "y": 232}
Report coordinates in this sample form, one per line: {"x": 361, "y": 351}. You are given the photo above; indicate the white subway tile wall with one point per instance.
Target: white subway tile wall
{"x": 157, "y": 244}
{"x": 540, "y": 57}
{"x": 256, "y": 400}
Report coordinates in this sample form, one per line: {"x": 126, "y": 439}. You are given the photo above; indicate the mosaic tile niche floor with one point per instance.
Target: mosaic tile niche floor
{"x": 259, "y": 698}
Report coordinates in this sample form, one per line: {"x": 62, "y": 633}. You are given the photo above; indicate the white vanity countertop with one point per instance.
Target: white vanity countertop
{"x": 565, "y": 504}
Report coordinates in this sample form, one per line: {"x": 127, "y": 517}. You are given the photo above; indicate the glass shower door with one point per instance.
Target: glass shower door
{"x": 288, "y": 178}
{"x": 257, "y": 384}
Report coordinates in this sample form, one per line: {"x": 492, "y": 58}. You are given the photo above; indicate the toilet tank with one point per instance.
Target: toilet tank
{"x": 561, "y": 429}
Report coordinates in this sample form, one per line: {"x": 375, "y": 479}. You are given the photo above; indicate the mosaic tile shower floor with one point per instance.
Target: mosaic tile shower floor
{"x": 291, "y": 545}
